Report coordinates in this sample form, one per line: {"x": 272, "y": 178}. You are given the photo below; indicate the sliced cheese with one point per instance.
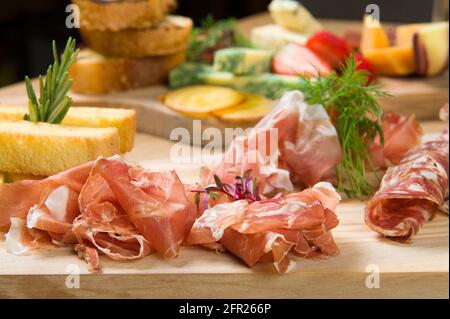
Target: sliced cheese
{"x": 269, "y": 85}
{"x": 273, "y": 37}
{"x": 404, "y": 34}
{"x": 243, "y": 61}
{"x": 294, "y": 16}
{"x": 251, "y": 110}
{"x": 203, "y": 99}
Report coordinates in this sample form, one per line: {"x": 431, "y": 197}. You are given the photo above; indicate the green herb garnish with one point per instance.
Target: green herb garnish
{"x": 357, "y": 117}
{"x": 53, "y": 103}
{"x": 214, "y": 35}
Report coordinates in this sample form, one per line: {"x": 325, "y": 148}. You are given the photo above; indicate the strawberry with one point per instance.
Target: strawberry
{"x": 363, "y": 64}
{"x": 330, "y": 48}
{"x": 295, "y": 59}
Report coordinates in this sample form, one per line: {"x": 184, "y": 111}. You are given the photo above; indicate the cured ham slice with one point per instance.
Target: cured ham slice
{"x": 296, "y": 142}
{"x": 270, "y": 229}
{"x": 258, "y": 152}
{"x": 104, "y": 226}
{"x": 20, "y": 240}
{"x": 401, "y": 135}
{"x": 18, "y": 198}
{"x": 155, "y": 203}
{"x": 107, "y": 207}
{"x": 307, "y": 139}
{"x": 411, "y": 192}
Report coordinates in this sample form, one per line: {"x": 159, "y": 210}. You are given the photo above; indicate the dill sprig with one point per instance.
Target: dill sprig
{"x": 53, "y": 103}
{"x": 357, "y": 116}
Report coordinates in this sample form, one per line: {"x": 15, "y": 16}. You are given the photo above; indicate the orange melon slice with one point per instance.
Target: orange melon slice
{"x": 392, "y": 61}
{"x": 373, "y": 36}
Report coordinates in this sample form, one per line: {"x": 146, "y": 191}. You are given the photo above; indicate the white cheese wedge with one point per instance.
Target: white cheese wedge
{"x": 273, "y": 37}
{"x": 293, "y": 16}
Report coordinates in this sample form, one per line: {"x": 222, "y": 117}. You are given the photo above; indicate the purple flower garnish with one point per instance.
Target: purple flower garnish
{"x": 244, "y": 187}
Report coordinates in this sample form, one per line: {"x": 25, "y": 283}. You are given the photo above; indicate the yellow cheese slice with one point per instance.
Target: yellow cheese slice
{"x": 202, "y": 99}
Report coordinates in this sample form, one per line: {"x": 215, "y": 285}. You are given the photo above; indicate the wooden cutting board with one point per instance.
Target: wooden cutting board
{"x": 415, "y": 270}
{"x": 421, "y": 97}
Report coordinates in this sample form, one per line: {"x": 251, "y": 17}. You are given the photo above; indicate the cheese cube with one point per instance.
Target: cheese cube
{"x": 273, "y": 37}
{"x": 242, "y": 61}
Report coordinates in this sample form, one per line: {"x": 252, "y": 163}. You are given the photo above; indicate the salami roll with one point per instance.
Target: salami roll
{"x": 411, "y": 192}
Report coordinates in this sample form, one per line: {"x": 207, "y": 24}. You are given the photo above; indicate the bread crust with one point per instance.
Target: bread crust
{"x": 115, "y": 15}
{"x": 93, "y": 73}
{"x": 170, "y": 36}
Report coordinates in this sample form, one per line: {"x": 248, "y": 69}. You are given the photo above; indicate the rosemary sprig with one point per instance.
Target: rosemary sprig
{"x": 53, "y": 103}
{"x": 356, "y": 114}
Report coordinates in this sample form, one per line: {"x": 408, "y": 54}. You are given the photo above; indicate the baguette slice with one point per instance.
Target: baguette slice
{"x": 122, "y": 119}
{"x": 94, "y": 73}
{"x": 170, "y": 36}
{"x": 44, "y": 149}
{"x": 119, "y": 15}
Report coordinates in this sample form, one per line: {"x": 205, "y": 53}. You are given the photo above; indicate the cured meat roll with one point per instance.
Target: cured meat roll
{"x": 412, "y": 192}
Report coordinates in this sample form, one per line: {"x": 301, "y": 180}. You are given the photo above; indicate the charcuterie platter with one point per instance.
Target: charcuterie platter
{"x": 338, "y": 188}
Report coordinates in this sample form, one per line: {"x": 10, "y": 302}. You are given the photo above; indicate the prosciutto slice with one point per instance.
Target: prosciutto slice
{"x": 268, "y": 230}
{"x": 295, "y": 143}
{"x": 107, "y": 207}
{"x": 411, "y": 192}
{"x": 155, "y": 203}
{"x": 401, "y": 135}
{"x": 18, "y": 198}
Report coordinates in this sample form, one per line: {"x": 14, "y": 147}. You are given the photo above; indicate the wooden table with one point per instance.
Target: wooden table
{"x": 416, "y": 270}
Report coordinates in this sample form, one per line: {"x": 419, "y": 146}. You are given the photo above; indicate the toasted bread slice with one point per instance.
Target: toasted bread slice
{"x": 170, "y": 36}
{"x": 123, "y": 119}
{"x": 44, "y": 149}
{"x": 119, "y": 15}
{"x": 12, "y": 178}
{"x": 2, "y": 178}
{"x": 94, "y": 73}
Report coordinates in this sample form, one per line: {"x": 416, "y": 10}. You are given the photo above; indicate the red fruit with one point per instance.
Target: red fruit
{"x": 363, "y": 64}
{"x": 353, "y": 40}
{"x": 330, "y": 48}
{"x": 295, "y": 59}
